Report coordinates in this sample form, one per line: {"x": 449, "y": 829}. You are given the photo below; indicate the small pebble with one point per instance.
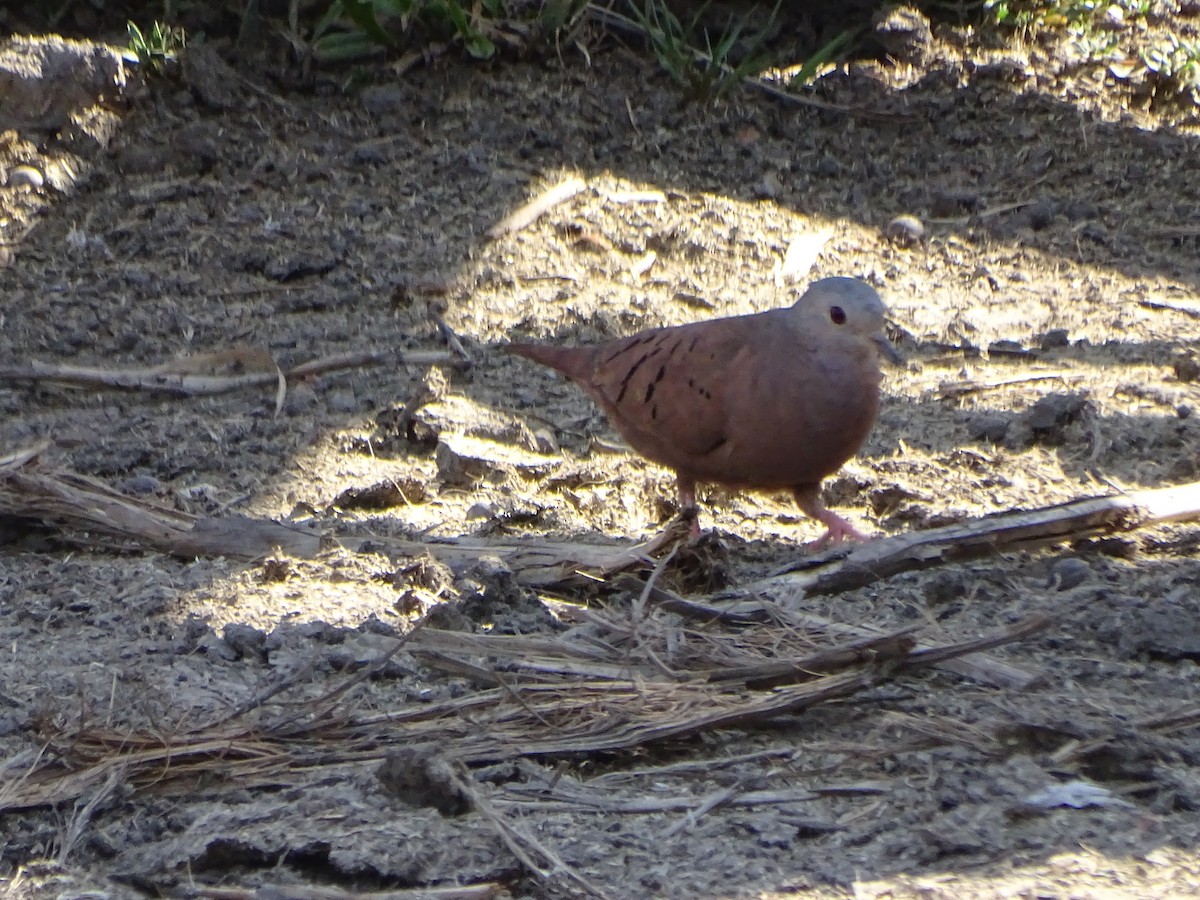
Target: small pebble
{"x": 1068, "y": 573}
{"x": 827, "y": 167}
{"x": 905, "y": 230}
{"x": 479, "y": 511}
{"x": 245, "y": 640}
{"x": 1187, "y": 369}
{"x": 26, "y": 175}
{"x": 1056, "y": 337}
{"x": 141, "y": 484}
{"x": 1040, "y": 215}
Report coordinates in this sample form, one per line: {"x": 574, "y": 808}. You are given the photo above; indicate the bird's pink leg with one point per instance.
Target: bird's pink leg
{"x": 687, "y": 503}
{"x": 808, "y": 499}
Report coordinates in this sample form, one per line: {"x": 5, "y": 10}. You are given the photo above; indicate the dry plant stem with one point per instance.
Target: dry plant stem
{"x": 451, "y": 339}
{"x": 189, "y": 385}
{"x": 526, "y": 215}
{"x": 82, "y": 815}
{"x": 638, "y": 711}
{"x": 1006, "y": 532}
{"x": 764, "y": 609}
{"x": 324, "y": 705}
{"x": 519, "y": 841}
{"x": 949, "y": 389}
{"x": 1180, "y": 306}
{"x": 312, "y": 892}
{"x": 74, "y": 502}
{"x": 711, "y": 802}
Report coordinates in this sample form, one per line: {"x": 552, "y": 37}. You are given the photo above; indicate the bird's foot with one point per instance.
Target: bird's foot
{"x": 679, "y": 531}
{"x": 691, "y": 515}
{"x": 838, "y": 532}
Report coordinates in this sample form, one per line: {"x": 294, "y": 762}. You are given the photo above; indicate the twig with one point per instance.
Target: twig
{"x": 82, "y": 816}
{"x": 356, "y": 359}
{"x": 711, "y": 802}
{"x": 530, "y": 212}
{"x": 519, "y": 841}
{"x": 450, "y": 337}
{"x": 186, "y": 384}
{"x": 948, "y": 389}
{"x": 322, "y": 705}
{"x": 1006, "y": 532}
{"x": 484, "y": 891}
{"x": 1182, "y": 306}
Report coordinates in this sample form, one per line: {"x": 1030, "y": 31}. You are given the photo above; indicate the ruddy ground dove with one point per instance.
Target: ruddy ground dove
{"x": 778, "y": 399}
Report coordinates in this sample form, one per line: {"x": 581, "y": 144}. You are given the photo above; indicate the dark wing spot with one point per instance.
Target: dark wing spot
{"x": 691, "y": 382}
{"x": 649, "y": 391}
{"x": 692, "y": 345}
{"x": 633, "y": 371}
{"x": 636, "y": 342}
{"x": 654, "y": 411}
{"x": 662, "y": 370}
{"x": 720, "y": 442}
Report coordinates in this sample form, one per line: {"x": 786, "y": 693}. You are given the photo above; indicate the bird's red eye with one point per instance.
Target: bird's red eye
{"x": 837, "y": 315}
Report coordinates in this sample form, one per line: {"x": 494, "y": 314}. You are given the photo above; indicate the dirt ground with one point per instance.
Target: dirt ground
{"x": 1060, "y": 250}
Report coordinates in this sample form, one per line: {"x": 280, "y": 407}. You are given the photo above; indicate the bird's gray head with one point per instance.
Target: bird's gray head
{"x": 847, "y": 303}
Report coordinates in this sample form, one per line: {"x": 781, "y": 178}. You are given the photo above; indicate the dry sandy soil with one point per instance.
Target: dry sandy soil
{"x": 221, "y": 211}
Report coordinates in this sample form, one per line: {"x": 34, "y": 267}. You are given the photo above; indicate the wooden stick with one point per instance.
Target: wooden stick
{"x": 1183, "y": 306}
{"x": 1074, "y": 520}
{"x": 526, "y": 215}
{"x": 185, "y": 384}
{"x": 484, "y": 891}
{"x": 948, "y": 389}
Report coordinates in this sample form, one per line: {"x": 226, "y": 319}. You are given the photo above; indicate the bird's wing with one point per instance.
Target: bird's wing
{"x": 666, "y": 389}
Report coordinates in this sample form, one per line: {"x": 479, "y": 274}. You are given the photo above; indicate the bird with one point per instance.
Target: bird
{"x": 765, "y": 401}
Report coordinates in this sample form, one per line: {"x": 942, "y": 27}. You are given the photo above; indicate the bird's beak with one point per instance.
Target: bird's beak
{"x": 887, "y": 348}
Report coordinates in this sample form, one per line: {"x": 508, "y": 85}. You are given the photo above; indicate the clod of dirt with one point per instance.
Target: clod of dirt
{"x": 403, "y": 422}
{"x": 990, "y": 427}
{"x": 945, "y": 587}
{"x": 492, "y": 598}
{"x": 211, "y": 79}
{"x": 1186, "y": 367}
{"x": 1068, "y": 573}
{"x": 1008, "y": 348}
{"x": 141, "y": 484}
{"x": 905, "y": 230}
{"x": 891, "y": 499}
{"x": 905, "y": 33}
{"x": 1048, "y": 418}
{"x": 949, "y": 203}
{"x": 419, "y": 777}
{"x": 1170, "y": 634}
{"x": 44, "y": 80}
{"x": 245, "y": 641}
{"x": 197, "y": 147}
{"x": 1040, "y": 214}
{"x": 464, "y": 460}
{"x": 426, "y": 572}
{"x": 360, "y": 650}
{"x": 383, "y": 495}
{"x": 1055, "y": 338}
{"x": 702, "y": 566}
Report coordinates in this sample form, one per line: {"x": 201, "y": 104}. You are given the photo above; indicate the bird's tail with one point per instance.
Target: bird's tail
{"x": 577, "y": 363}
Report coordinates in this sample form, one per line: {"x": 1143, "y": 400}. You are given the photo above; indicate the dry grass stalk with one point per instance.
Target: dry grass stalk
{"x": 184, "y": 379}
{"x": 570, "y": 716}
